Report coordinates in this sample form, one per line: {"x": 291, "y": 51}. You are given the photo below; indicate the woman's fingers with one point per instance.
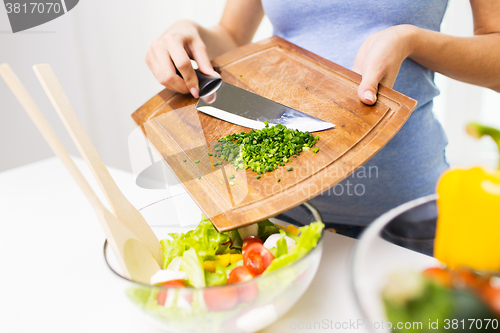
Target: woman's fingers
{"x": 199, "y": 52}
{"x": 166, "y": 73}
{"x": 160, "y": 63}
{"x": 379, "y": 60}
{"x": 182, "y": 62}
{"x": 373, "y": 75}
{"x": 367, "y": 90}
{"x": 171, "y": 54}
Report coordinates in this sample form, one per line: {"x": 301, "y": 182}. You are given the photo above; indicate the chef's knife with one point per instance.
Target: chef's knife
{"x": 241, "y": 107}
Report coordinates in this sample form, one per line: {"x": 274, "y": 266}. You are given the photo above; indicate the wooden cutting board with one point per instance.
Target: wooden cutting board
{"x": 288, "y": 74}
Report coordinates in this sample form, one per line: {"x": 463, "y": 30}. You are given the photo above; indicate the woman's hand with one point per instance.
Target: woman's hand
{"x": 175, "y": 49}
{"x": 379, "y": 59}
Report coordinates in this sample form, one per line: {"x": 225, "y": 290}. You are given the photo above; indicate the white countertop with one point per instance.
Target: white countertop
{"x": 53, "y": 277}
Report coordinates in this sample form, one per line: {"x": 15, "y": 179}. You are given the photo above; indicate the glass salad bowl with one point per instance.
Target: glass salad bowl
{"x": 241, "y": 307}
{"x": 423, "y": 295}
{"x": 369, "y": 274}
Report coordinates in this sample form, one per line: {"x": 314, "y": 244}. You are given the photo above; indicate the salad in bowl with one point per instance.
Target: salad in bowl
{"x": 236, "y": 281}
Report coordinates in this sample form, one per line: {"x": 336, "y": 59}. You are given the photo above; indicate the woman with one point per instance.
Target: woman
{"x": 389, "y": 42}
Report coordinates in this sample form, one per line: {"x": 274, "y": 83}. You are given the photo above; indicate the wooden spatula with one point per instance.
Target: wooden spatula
{"x": 134, "y": 257}
{"x": 120, "y": 206}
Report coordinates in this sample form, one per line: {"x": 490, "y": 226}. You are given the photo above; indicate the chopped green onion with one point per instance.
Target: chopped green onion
{"x": 210, "y": 154}
{"x": 264, "y": 150}
{"x": 279, "y": 179}
{"x": 315, "y": 150}
{"x": 289, "y": 169}
{"x": 231, "y": 177}
{"x": 231, "y": 183}
{"x": 196, "y": 161}
{"x": 258, "y": 176}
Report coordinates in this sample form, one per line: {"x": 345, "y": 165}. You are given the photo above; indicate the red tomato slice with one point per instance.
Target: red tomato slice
{"x": 174, "y": 284}
{"x": 161, "y": 298}
{"x": 491, "y": 296}
{"x": 246, "y": 293}
{"x": 221, "y": 298}
{"x": 466, "y": 277}
{"x": 439, "y": 275}
{"x": 257, "y": 258}
{"x": 248, "y": 241}
{"x": 239, "y": 274}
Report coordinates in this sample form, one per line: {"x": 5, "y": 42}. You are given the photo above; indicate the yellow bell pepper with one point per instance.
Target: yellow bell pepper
{"x": 468, "y": 226}
{"x": 223, "y": 260}
{"x": 290, "y": 228}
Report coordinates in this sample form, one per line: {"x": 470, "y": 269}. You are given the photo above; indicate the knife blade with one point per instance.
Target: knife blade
{"x": 241, "y": 107}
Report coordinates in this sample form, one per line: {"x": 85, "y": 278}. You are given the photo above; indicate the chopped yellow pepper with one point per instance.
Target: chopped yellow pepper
{"x": 235, "y": 258}
{"x": 223, "y": 260}
{"x": 468, "y": 226}
{"x": 290, "y": 228}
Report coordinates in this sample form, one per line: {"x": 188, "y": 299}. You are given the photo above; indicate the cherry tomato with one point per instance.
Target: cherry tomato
{"x": 174, "y": 284}
{"x": 221, "y": 298}
{"x": 466, "y": 278}
{"x": 239, "y": 274}
{"x": 491, "y": 296}
{"x": 248, "y": 241}
{"x": 161, "y": 298}
{"x": 439, "y": 275}
{"x": 246, "y": 293}
{"x": 257, "y": 258}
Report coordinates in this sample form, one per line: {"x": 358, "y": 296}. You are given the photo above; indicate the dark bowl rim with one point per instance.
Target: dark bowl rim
{"x": 312, "y": 209}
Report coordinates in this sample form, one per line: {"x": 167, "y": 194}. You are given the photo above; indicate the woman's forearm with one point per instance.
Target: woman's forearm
{"x": 217, "y": 40}
{"x": 237, "y": 27}
{"x": 474, "y": 60}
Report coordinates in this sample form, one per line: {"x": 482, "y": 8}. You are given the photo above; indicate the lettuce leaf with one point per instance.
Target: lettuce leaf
{"x": 193, "y": 267}
{"x": 217, "y": 278}
{"x": 266, "y": 229}
{"x": 281, "y": 246}
{"x": 172, "y": 248}
{"x": 205, "y": 240}
{"x": 307, "y": 240}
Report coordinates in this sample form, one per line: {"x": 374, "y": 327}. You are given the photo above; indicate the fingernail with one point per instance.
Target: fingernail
{"x": 194, "y": 92}
{"x": 369, "y": 96}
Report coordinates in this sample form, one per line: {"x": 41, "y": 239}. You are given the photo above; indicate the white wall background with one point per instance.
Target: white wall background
{"x": 97, "y": 50}
{"x": 460, "y": 103}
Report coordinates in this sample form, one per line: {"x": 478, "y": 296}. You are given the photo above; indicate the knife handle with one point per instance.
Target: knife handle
{"x": 208, "y": 84}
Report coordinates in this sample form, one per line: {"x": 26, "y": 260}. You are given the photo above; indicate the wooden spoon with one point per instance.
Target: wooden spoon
{"x": 120, "y": 206}
{"x": 134, "y": 258}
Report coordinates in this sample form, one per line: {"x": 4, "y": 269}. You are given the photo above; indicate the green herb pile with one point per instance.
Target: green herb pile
{"x": 264, "y": 150}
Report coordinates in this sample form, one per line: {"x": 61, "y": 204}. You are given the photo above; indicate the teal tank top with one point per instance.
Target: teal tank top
{"x": 409, "y": 166}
